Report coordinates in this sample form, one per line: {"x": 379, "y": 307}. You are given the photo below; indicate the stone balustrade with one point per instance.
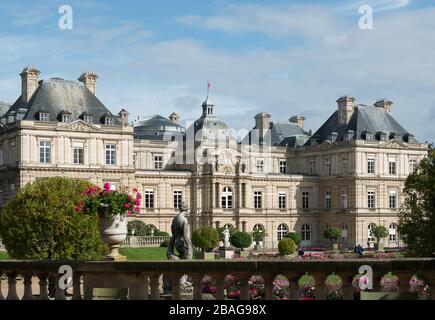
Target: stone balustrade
{"x": 144, "y": 241}
{"x": 143, "y": 278}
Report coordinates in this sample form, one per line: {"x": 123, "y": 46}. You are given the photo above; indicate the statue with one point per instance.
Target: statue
{"x": 226, "y": 234}
{"x": 180, "y": 238}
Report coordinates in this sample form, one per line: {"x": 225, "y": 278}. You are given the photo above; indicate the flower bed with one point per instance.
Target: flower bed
{"x": 334, "y": 287}
{"x": 418, "y": 284}
{"x": 390, "y": 283}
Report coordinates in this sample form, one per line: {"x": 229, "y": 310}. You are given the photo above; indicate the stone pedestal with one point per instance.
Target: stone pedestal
{"x": 226, "y": 253}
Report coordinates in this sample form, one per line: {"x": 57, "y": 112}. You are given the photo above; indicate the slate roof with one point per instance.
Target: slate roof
{"x": 57, "y": 95}
{"x": 4, "y": 107}
{"x": 281, "y": 133}
{"x": 365, "y": 119}
{"x": 155, "y": 127}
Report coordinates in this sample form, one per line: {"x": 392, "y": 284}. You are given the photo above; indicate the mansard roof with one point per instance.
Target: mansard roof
{"x": 57, "y": 95}
{"x": 155, "y": 127}
{"x": 365, "y": 119}
{"x": 280, "y": 133}
{"x": 4, "y": 107}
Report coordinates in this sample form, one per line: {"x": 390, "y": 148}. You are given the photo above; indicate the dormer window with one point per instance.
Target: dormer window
{"x": 88, "y": 119}
{"x": 349, "y": 135}
{"x": 108, "y": 121}
{"x": 44, "y": 116}
{"x": 66, "y": 118}
{"x": 369, "y": 136}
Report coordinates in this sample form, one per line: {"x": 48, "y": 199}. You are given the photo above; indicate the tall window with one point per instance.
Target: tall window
{"x": 282, "y": 231}
{"x": 158, "y": 162}
{"x": 328, "y": 200}
{"x": 344, "y": 200}
{"x": 305, "y": 200}
{"x": 111, "y": 154}
{"x": 344, "y": 166}
{"x": 344, "y": 232}
{"x": 392, "y": 166}
{"x": 412, "y": 165}
{"x": 45, "y": 152}
{"x": 392, "y": 232}
{"x": 66, "y": 118}
{"x": 370, "y": 237}
{"x": 282, "y": 200}
{"x": 149, "y": 199}
{"x": 371, "y": 165}
{"x": 328, "y": 167}
{"x": 227, "y": 198}
{"x": 88, "y": 119}
{"x": 109, "y": 121}
{"x": 257, "y": 199}
{"x": 312, "y": 166}
{"x": 393, "y": 199}
{"x": 44, "y": 116}
{"x": 178, "y": 198}
{"x": 78, "y": 155}
{"x": 260, "y": 229}
{"x": 306, "y": 232}
{"x": 260, "y": 166}
{"x": 282, "y": 166}
{"x": 371, "y": 199}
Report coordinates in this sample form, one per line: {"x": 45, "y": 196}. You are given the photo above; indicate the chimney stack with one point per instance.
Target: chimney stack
{"x": 262, "y": 123}
{"x": 89, "y": 79}
{"x": 174, "y": 117}
{"x": 123, "y": 115}
{"x": 345, "y": 109}
{"x": 385, "y": 104}
{"x": 29, "y": 83}
{"x": 299, "y": 120}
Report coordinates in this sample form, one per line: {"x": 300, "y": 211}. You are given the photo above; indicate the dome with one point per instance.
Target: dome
{"x": 156, "y": 127}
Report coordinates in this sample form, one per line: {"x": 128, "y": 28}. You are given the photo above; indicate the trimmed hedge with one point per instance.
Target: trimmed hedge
{"x": 286, "y": 247}
{"x": 241, "y": 240}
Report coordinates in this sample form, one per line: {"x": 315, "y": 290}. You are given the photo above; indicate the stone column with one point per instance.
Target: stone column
{"x": 12, "y": 286}
{"x": 347, "y": 286}
{"x": 155, "y": 286}
{"x": 43, "y": 290}
{"x": 220, "y": 284}
{"x": 293, "y": 285}
{"x": 1, "y": 293}
{"x": 27, "y": 286}
{"x": 77, "y": 294}
{"x": 59, "y": 294}
{"x": 244, "y": 287}
{"x": 268, "y": 286}
{"x": 175, "y": 286}
{"x": 320, "y": 285}
{"x": 197, "y": 287}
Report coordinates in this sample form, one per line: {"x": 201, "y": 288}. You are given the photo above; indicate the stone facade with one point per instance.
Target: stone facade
{"x": 282, "y": 186}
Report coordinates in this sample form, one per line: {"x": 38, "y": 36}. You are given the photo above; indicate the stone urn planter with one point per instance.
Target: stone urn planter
{"x": 113, "y": 232}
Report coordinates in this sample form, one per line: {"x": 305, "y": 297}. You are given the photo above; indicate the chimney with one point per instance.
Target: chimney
{"x": 385, "y": 104}
{"x": 174, "y": 117}
{"x": 299, "y": 120}
{"x": 29, "y": 83}
{"x": 345, "y": 109}
{"x": 89, "y": 79}
{"x": 262, "y": 123}
{"x": 123, "y": 115}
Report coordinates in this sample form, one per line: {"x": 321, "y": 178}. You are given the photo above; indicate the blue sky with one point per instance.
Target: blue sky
{"x": 284, "y": 57}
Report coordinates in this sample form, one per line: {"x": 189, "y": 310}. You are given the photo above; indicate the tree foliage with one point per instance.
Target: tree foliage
{"x": 286, "y": 246}
{"x": 241, "y": 239}
{"x": 333, "y": 234}
{"x": 140, "y": 228}
{"x": 295, "y": 236}
{"x": 379, "y": 232}
{"x": 417, "y": 214}
{"x": 205, "y": 238}
{"x": 41, "y": 222}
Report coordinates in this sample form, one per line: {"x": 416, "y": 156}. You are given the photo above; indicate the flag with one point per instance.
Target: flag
{"x": 209, "y": 84}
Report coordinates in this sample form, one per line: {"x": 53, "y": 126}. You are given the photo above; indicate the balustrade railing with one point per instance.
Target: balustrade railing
{"x": 144, "y": 241}
{"x": 29, "y": 279}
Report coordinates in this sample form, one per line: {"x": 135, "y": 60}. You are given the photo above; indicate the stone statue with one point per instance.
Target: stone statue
{"x": 226, "y": 234}
{"x": 180, "y": 238}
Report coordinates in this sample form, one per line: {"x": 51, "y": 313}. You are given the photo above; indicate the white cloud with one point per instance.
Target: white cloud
{"x": 377, "y": 5}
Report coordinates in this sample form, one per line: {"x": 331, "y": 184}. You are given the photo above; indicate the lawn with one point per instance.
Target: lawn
{"x": 4, "y": 255}
{"x": 144, "y": 253}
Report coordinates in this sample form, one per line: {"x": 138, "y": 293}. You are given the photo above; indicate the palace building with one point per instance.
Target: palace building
{"x": 279, "y": 178}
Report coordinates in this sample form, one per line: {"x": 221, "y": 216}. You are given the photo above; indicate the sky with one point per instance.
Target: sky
{"x": 283, "y": 57}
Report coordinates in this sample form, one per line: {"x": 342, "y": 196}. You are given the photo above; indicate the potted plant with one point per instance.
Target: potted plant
{"x": 418, "y": 284}
{"x": 111, "y": 206}
{"x": 206, "y": 239}
{"x": 334, "y": 287}
{"x": 379, "y": 232}
{"x": 286, "y": 248}
{"x": 241, "y": 240}
{"x": 333, "y": 235}
{"x": 307, "y": 289}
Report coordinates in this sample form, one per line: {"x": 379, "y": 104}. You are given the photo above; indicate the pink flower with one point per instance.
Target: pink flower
{"x": 138, "y": 196}
{"x": 107, "y": 187}
{"x": 137, "y": 209}
{"x": 77, "y": 209}
{"x": 137, "y": 202}
{"x": 135, "y": 190}
{"x": 126, "y": 205}
{"x": 130, "y": 213}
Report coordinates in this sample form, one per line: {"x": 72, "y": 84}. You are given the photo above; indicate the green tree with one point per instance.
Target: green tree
{"x": 332, "y": 234}
{"x": 40, "y": 222}
{"x": 205, "y": 238}
{"x": 241, "y": 240}
{"x": 286, "y": 246}
{"x": 140, "y": 228}
{"x": 379, "y": 232}
{"x": 417, "y": 214}
{"x": 295, "y": 236}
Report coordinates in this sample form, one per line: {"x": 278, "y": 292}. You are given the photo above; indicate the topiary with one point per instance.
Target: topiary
{"x": 333, "y": 234}
{"x": 40, "y": 222}
{"x": 205, "y": 238}
{"x": 159, "y": 233}
{"x": 295, "y": 236}
{"x": 241, "y": 240}
{"x": 140, "y": 228}
{"x": 165, "y": 244}
{"x": 286, "y": 246}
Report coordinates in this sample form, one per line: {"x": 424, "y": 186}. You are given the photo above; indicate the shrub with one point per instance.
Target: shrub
{"x": 286, "y": 246}
{"x": 220, "y": 231}
{"x": 241, "y": 240}
{"x": 165, "y": 244}
{"x": 295, "y": 236}
{"x": 205, "y": 238}
{"x": 159, "y": 233}
{"x": 389, "y": 283}
{"x": 140, "y": 228}
{"x": 40, "y": 222}
{"x": 333, "y": 234}
{"x": 333, "y": 287}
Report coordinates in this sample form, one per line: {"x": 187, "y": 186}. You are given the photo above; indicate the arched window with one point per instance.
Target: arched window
{"x": 306, "y": 232}
{"x": 227, "y": 198}
{"x": 282, "y": 231}
{"x": 260, "y": 229}
{"x": 392, "y": 232}
{"x": 152, "y": 229}
{"x": 370, "y": 237}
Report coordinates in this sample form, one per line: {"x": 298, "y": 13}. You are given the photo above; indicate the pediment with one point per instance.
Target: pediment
{"x": 326, "y": 145}
{"x": 394, "y": 144}
{"x": 79, "y": 126}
